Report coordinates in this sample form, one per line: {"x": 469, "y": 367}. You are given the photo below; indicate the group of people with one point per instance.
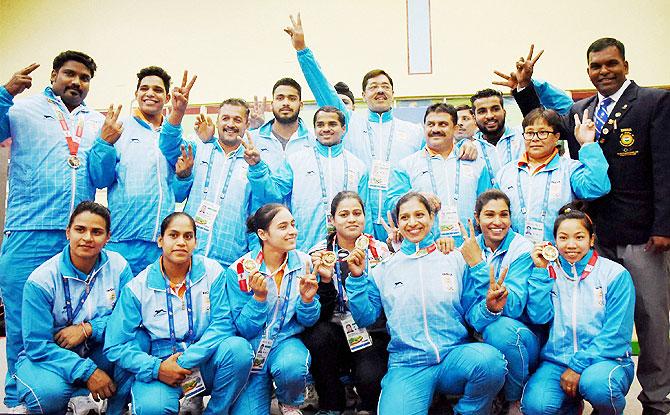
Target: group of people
{"x": 454, "y": 258}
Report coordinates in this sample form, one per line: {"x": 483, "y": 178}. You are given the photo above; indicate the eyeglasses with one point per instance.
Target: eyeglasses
{"x": 540, "y": 135}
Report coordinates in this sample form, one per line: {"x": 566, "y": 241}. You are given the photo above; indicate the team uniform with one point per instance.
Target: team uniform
{"x": 537, "y": 196}
{"x": 58, "y": 295}
{"x": 47, "y": 179}
{"x": 141, "y": 189}
{"x": 590, "y": 306}
{"x": 428, "y": 304}
{"x": 194, "y": 319}
{"x": 272, "y": 328}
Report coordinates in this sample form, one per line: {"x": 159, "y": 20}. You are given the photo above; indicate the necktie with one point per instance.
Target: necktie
{"x": 601, "y": 115}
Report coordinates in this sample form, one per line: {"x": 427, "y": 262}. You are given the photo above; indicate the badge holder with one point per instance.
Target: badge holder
{"x": 207, "y": 212}
{"x": 193, "y": 384}
{"x": 448, "y": 221}
{"x": 261, "y": 355}
{"x": 357, "y": 338}
{"x": 379, "y": 176}
{"x": 534, "y": 231}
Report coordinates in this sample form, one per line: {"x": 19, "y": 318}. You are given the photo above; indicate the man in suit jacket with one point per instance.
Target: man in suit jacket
{"x": 633, "y": 220}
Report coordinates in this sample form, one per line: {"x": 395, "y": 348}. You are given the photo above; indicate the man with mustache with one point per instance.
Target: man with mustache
{"x": 51, "y": 135}
{"x": 632, "y": 221}
{"x": 230, "y": 181}
{"x": 141, "y": 184}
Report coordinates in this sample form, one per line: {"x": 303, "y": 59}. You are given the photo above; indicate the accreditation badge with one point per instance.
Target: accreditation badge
{"x": 193, "y": 384}
{"x": 448, "y": 221}
{"x": 449, "y": 282}
{"x": 357, "y": 338}
{"x": 206, "y": 214}
{"x": 261, "y": 355}
{"x": 352, "y": 180}
{"x": 379, "y": 175}
{"x": 534, "y": 231}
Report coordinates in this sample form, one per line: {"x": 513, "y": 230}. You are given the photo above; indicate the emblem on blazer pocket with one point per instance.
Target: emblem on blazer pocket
{"x": 626, "y": 139}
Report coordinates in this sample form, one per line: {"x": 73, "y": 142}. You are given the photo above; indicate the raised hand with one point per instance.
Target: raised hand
{"x": 257, "y": 113}
{"x": 524, "y": 67}
{"x": 325, "y": 272}
{"x": 251, "y": 154}
{"x": 356, "y": 262}
{"x": 21, "y": 80}
{"x": 496, "y": 297}
{"x": 470, "y": 249}
{"x": 100, "y": 385}
{"x": 204, "y": 127}
{"x": 446, "y": 244}
{"x": 259, "y": 285}
{"x": 394, "y": 238}
{"x": 170, "y": 373}
{"x": 184, "y": 165}
{"x": 585, "y": 130}
{"x": 509, "y": 80}
{"x": 296, "y": 33}
{"x": 180, "y": 99}
{"x": 112, "y": 128}
{"x": 308, "y": 285}
{"x": 537, "y": 257}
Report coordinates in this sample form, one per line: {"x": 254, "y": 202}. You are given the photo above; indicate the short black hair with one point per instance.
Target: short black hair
{"x": 604, "y": 43}
{"x": 262, "y": 218}
{"x": 374, "y": 73}
{"x": 442, "y": 107}
{"x": 154, "y": 71}
{"x": 463, "y": 107}
{"x": 574, "y": 210}
{"x": 487, "y": 196}
{"x": 73, "y": 55}
{"x": 486, "y": 93}
{"x": 288, "y": 82}
{"x": 343, "y": 89}
{"x": 93, "y": 207}
{"x": 413, "y": 195}
{"x": 332, "y": 110}
{"x": 169, "y": 218}
{"x": 236, "y": 102}
{"x": 550, "y": 116}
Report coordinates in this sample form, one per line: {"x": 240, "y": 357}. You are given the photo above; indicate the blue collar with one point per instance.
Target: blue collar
{"x": 410, "y": 248}
{"x": 579, "y": 266}
{"x": 332, "y": 151}
{"x": 49, "y": 93}
{"x": 292, "y": 264}
{"x": 265, "y": 130}
{"x": 508, "y": 133}
{"x": 386, "y": 116}
{"x": 504, "y": 245}
{"x": 67, "y": 268}
{"x": 155, "y": 279}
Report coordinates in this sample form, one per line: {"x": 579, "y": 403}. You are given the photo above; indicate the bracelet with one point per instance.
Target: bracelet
{"x": 83, "y": 328}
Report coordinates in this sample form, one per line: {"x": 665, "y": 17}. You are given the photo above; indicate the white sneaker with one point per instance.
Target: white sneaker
{"x": 82, "y": 405}
{"x": 289, "y": 409}
{"x": 192, "y": 406}
{"x": 13, "y": 410}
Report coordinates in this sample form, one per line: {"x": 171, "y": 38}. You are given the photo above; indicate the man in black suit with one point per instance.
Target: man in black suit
{"x": 633, "y": 220}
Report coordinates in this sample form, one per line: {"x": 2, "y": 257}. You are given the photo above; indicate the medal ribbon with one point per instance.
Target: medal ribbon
{"x": 425, "y": 251}
{"x": 72, "y": 141}
{"x": 587, "y": 269}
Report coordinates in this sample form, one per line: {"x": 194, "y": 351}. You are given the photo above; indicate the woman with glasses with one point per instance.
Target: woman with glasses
{"x": 542, "y": 181}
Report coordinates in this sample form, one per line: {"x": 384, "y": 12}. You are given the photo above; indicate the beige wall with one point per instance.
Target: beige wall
{"x": 238, "y": 48}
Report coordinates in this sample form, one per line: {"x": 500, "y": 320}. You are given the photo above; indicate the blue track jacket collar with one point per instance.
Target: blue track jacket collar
{"x": 156, "y": 281}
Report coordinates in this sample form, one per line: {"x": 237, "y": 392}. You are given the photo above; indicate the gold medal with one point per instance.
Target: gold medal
{"x": 550, "y": 253}
{"x": 73, "y": 161}
{"x": 362, "y": 242}
{"x": 250, "y": 265}
{"x": 328, "y": 258}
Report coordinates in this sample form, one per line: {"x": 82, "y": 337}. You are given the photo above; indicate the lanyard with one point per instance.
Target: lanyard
{"x": 72, "y": 141}
{"x": 189, "y": 310}
{"x": 509, "y": 151}
{"x": 522, "y": 201}
{"x": 229, "y": 174}
{"x": 284, "y": 306}
{"x": 433, "y": 183}
{"x": 340, "y": 283}
{"x": 325, "y": 197}
{"x": 82, "y": 299}
{"x": 388, "y": 146}
{"x": 489, "y": 167}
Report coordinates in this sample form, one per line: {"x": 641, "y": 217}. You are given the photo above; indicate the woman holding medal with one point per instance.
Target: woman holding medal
{"x": 427, "y": 300}
{"x": 589, "y": 301}
{"x": 506, "y": 252}
{"x": 336, "y": 344}
{"x": 180, "y": 301}
{"x": 542, "y": 181}
{"x": 272, "y": 294}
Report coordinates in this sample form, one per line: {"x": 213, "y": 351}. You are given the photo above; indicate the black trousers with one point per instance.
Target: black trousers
{"x": 331, "y": 358}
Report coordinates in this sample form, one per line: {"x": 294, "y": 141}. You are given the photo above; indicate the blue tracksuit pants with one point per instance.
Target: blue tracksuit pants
{"x": 474, "y": 370}
{"x": 225, "y": 374}
{"x": 604, "y": 385}
{"x": 22, "y": 252}
{"x": 288, "y": 366}
{"x": 521, "y": 349}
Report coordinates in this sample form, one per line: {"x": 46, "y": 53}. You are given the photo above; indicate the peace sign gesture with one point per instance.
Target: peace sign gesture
{"x": 251, "y": 154}
{"x": 257, "y": 113}
{"x": 112, "y": 128}
{"x": 585, "y": 130}
{"x": 185, "y": 162}
{"x": 180, "y": 94}
{"x": 394, "y": 238}
{"x": 296, "y": 33}
{"x": 21, "y": 80}
{"x": 496, "y": 297}
{"x": 308, "y": 284}
{"x": 524, "y": 67}
{"x": 204, "y": 127}
{"x": 470, "y": 249}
